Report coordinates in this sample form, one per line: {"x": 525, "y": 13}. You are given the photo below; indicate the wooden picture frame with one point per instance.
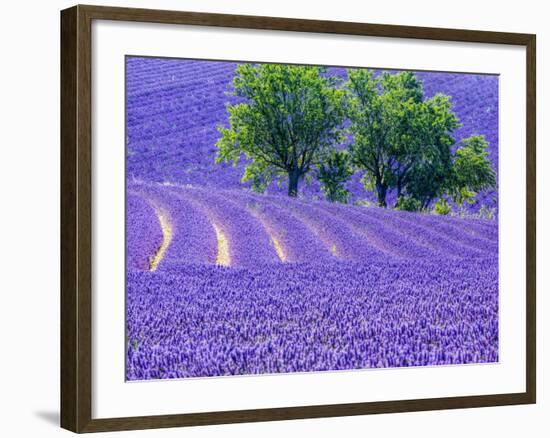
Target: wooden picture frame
{"x": 76, "y": 218}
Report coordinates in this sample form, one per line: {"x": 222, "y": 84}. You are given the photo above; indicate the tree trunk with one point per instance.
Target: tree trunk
{"x": 293, "y": 178}
{"x": 399, "y": 188}
{"x": 381, "y": 190}
{"x": 398, "y": 192}
{"x": 426, "y": 203}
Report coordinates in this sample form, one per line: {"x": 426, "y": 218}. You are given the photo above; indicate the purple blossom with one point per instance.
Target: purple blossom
{"x": 305, "y": 285}
{"x": 144, "y": 236}
{"x": 174, "y": 107}
{"x": 197, "y": 321}
{"x": 403, "y": 289}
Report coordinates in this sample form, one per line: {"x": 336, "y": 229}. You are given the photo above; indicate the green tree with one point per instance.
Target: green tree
{"x": 400, "y": 140}
{"x": 333, "y": 173}
{"x": 407, "y": 203}
{"x": 424, "y": 150}
{"x": 472, "y": 171}
{"x": 375, "y": 110}
{"x": 290, "y": 118}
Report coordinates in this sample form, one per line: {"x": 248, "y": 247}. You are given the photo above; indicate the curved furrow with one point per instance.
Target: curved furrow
{"x": 165, "y": 222}
{"x": 143, "y": 234}
{"x": 297, "y": 241}
{"x": 379, "y": 234}
{"x": 245, "y": 237}
{"x": 193, "y": 240}
{"x": 414, "y": 230}
{"x": 462, "y": 233}
{"x": 473, "y": 233}
{"x": 341, "y": 240}
{"x": 437, "y": 225}
{"x": 485, "y": 229}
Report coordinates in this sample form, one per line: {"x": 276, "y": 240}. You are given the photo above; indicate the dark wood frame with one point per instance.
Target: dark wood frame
{"x": 76, "y": 238}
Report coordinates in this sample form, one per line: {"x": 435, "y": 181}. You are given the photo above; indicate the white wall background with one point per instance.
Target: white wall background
{"x": 29, "y": 215}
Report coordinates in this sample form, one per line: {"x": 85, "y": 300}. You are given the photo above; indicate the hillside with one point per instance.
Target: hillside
{"x": 174, "y": 107}
{"x": 229, "y": 282}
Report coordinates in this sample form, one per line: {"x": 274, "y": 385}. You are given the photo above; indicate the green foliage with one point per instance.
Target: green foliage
{"x": 442, "y": 207}
{"x": 486, "y": 213}
{"x": 290, "y": 118}
{"x": 368, "y": 182}
{"x": 471, "y": 170}
{"x": 363, "y": 203}
{"x": 408, "y": 204}
{"x": 290, "y": 121}
{"x": 428, "y": 163}
{"x": 333, "y": 173}
{"x": 401, "y": 141}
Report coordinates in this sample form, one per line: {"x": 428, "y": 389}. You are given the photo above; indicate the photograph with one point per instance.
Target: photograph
{"x": 285, "y": 218}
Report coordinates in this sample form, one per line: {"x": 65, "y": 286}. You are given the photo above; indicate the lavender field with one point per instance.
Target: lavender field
{"x": 224, "y": 281}
{"x": 174, "y": 108}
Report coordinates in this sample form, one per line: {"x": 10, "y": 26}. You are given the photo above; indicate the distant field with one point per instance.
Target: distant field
{"x": 175, "y": 106}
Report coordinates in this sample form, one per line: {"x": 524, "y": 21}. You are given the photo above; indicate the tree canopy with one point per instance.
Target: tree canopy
{"x": 400, "y": 140}
{"x": 333, "y": 173}
{"x": 472, "y": 171}
{"x": 289, "y": 119}
{"x": 291, "y": 122}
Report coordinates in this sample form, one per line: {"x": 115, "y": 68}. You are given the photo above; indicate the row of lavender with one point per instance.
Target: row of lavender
{"x": 174, "y": 107}
{"x": 308, "y": 286}
{"x": 261, "y": 230}
{"x": 201, "y": 320}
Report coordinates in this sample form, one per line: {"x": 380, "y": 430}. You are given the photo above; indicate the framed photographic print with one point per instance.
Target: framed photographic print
{"x": 269, "y": 218}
